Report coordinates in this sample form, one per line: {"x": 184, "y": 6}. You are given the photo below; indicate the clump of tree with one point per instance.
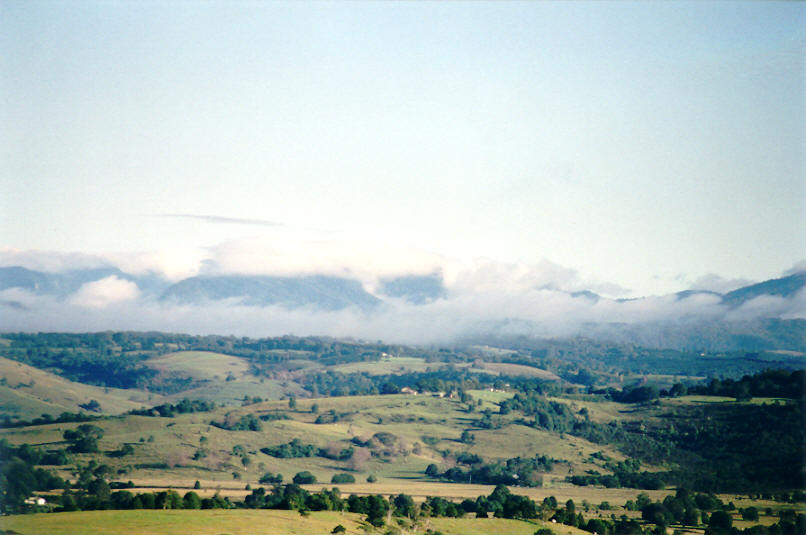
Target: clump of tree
{"x": 296, "y": 448}
{"x": 269, "y": 478}
{"x": 273, "y": 416}
{"x": 186, "y": 406}
{"x": 625, "y": 474}
{"x": 248, "y": 422}
{"x": 516, "y": 471}
{"x": 339, "y": 479}
{"x": 768, "y": 383}
{"x": 84, "y": 438}
{"x": 20, "y": 477}
{"x": 45, "y": 419}
{"x": 304, "y": 478}
{"x": 124, "y": 450}
{"x": 291, "y": 450}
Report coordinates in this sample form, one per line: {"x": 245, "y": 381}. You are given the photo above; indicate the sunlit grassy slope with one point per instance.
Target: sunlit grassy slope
{"x": 200, "y": 364}
{"x": 215, "y": 522}
{"x": 248, "y": 522}
{"x": 220, "y": 378}
{"x": 185, "y": 448}
{"x": 28, "y": 392}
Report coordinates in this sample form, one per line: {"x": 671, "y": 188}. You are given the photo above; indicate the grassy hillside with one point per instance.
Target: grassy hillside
{"x": 27, "y": 392}
{"x": 233, "y": 522}
{"x": 388, "y": 365}
{"x": 218, "y": 377}
{"x": 200, "y": 365}
{"x": 517, "y": 370}
{"x": 421, "y": 430}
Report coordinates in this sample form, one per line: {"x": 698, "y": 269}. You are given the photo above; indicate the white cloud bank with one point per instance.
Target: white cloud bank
{"x": 104, "y": 292}
{"x": 112, "y": 304}
{"x": 536, "y": 299}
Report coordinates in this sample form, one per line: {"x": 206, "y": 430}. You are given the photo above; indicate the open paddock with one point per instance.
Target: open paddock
{"x": 249, "y": 522}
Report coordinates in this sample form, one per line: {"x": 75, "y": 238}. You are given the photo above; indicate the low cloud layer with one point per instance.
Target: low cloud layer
{"x": 113, "y": 304}
{"x": 105, "y": 292}
{"x": 543, "y": 299}
{"x": 714, "y": 283}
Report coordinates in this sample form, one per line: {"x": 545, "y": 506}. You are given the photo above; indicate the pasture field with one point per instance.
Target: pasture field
{"x": 174, "y": 522}
{"x": 682, "y": 400}
{"x": 17, "y": 403}
{"x": 519, "y": 370}
{"x": 188, "y": 448}
{"x": 606, "y": 411}
{"x": 200, "y": 364}
{"x": 253, "y": 522}
{"x": 221, "y": 378}
{"x": 695, "y": 400}
{"x": 388, "y": 365}
{"x": 419, "y": 490}
{"x": 232, "y": 392}
{"x": 27, "y": 392}
{"x": 491, "y": 399}
{"x": 499, "y": 526}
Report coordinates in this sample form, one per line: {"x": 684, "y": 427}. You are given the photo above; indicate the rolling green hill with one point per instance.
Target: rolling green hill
{"x": 27, "y": 392}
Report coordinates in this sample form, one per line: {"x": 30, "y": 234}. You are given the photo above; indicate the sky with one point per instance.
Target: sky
{"x": 647, "y": 146}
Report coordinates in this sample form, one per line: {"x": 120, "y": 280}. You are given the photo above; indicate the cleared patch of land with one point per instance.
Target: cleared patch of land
{"x": 700, "y": 399}
{"x": 388, "y": 365}
{"x": 421, "y": 430}
{"x": 219, "y": 377}
{"x": 250, "y": 522}
{"x": 212, "y": 522}
{"x": 200, "y": 365}
{"x": 501, "y": 526}
{"x": 28, "y": 392}
{"x": 419, "y": 490}
{"x": 519, "y": 370}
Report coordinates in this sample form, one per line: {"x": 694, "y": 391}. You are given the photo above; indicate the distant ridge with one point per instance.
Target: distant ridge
{"x": 65, "y": 283}
{"x": 784, "y": 287}
{"x": 416, "y": 289}
{"x": 685, "y": 294}
{"x": 327, "y": 293}
{"x": 316, "y": 291}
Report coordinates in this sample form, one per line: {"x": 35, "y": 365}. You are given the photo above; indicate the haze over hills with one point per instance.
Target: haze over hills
{"x": 328, "y": 293}
{"x": 408, "y": 307}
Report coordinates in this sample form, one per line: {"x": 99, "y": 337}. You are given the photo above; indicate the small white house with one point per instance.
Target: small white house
{"x": 35, "y": 500}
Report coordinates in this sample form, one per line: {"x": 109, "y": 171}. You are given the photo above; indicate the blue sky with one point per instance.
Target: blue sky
{"x": 644, "y": 144}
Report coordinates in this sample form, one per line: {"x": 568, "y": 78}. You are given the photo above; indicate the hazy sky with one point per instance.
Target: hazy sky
{"x": 645, "y": 144}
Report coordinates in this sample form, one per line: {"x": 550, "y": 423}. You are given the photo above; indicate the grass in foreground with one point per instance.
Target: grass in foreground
{"x": 248, "y": 522}
{"x": 214, "y": 522}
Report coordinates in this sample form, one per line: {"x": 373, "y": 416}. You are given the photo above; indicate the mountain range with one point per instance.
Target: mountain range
{"x": 317, "y": 291}
{"x": 414, "y": 308}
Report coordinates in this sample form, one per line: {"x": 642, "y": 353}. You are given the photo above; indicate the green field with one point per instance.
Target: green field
{"x": 200, "y": 364}
{"x": 519, "y": 370}
{"x": 388, "y": 365}
{"x": 481, "y": 422}
{"x": 28, "y": 392}
{"x": 409, "y": 418}
{"x": 249, "y": 522}
{"x": 214, "y": 522}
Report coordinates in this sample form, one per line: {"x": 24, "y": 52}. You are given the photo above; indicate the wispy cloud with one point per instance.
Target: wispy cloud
{"x": 226, "y": 220}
